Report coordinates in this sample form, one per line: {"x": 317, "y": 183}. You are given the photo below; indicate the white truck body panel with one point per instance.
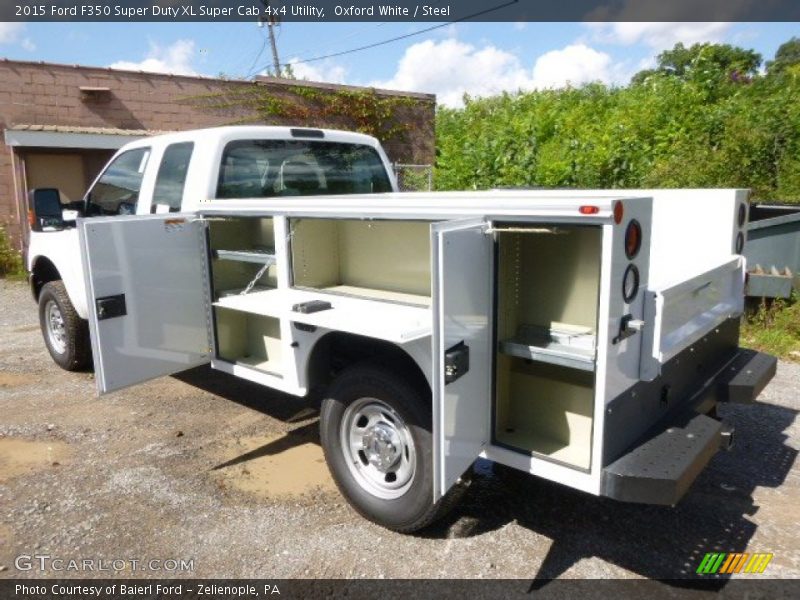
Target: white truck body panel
{"x": 159, "y": 263}
{"x": 461, "y": 255}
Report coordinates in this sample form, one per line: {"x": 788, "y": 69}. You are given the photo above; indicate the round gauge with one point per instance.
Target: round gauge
{"x": 633, "y": 239}
{"x": 630, "y": 283}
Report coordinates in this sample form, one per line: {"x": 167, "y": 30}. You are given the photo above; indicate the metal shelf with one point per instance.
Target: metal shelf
{"x": 253, "y": 255}
{"x": 568, "y": 348}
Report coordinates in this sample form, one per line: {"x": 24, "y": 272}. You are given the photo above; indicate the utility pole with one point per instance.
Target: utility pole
{"x": 275, "y": 61}
{"x": 272, "y": 21}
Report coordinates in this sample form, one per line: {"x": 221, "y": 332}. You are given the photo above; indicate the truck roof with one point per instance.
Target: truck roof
{"x": 221, "y": 135}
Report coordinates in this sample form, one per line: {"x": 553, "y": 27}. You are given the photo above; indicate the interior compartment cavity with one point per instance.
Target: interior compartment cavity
{"x": 249, "y": 339}
{"x": 240, "y": 248}
{"x": 381, "y": 260}
{"x": 545, "y": 409}
{"x": 547, "y": 302}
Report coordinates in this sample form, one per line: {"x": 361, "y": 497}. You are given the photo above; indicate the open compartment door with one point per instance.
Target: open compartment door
{"x": 462, "y": 339}
{"x": 146, "y": 285}
{"x": 678, "y": 315}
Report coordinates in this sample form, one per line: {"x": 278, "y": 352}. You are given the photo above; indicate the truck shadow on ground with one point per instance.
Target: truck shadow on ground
{"x": 663, "y": 543}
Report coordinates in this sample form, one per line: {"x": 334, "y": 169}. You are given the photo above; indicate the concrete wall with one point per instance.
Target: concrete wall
{"x": 49, "y": 94}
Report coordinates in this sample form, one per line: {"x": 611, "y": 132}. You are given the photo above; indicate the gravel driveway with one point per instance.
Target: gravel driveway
{"x": 228, "y": 475}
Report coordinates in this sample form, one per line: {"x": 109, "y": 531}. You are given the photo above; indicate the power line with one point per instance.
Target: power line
{"x": 402, "y": 37}
{"x": 253, "y": 67}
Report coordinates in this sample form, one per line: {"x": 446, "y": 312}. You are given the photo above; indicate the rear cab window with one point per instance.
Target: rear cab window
{"x": 276, "y": 168}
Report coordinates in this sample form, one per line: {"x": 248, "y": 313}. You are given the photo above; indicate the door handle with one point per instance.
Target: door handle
{"x": 109, "y": 307}
{"x": 456, "y": 362}
{"x": 628, "y": 326}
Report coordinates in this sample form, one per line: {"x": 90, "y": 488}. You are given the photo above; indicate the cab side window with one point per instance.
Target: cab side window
{"x": 117, "y": 190}
{"x": 171, "y": 178}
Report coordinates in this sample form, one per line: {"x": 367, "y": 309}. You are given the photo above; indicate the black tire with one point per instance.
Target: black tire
{"x": 414, "y": 508}
{"x": 70, "y": 347}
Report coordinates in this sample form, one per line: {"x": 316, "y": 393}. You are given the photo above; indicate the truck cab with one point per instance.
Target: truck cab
{"x": 173, "y": 173}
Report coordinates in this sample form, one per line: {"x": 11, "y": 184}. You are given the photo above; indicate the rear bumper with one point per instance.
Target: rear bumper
{"x": 664, "y": 463}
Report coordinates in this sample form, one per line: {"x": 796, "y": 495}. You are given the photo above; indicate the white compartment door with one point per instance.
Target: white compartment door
{"x": 146, "y": 284}
{"x": 683, "y": 313}
{"x": 462, "y": 341}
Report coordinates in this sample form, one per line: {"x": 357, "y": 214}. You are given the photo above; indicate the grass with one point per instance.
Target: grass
{"x": 774, "y": 327}
{"x": 11, "y": 266}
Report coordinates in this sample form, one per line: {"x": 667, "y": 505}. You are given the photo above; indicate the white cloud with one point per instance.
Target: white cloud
{"x": 11, "y": 33}
{"x": 658, "y": 36}
{"x": 574, "y": 65}
{"x": 326, "y": 71}
{"x": 450, "y": 68}
{"x": 175, "y": 58}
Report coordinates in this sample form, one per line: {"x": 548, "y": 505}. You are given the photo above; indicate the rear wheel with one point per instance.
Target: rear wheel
{"x": 65, "y": 334}
{"x": 375, "y": 429}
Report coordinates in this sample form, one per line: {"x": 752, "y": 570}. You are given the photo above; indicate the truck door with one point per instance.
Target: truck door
{"x": 462, "y": 257}
{"x": 147, "y": 296}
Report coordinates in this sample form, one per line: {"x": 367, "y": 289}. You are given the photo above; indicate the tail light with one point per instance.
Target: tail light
{"x": 619, "y": 210}
{"x": 633, "y": 239}
{"x": 589, "y": 210}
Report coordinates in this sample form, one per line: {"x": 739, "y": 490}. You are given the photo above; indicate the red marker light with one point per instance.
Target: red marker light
{"x": 589, "y": 210}
{"x": 618, "y": 212}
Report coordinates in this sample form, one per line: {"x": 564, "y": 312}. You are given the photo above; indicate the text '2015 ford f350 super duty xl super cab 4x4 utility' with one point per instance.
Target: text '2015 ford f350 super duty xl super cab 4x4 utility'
{"x": 586, "y": 337}
{"x": 171, "y": 173}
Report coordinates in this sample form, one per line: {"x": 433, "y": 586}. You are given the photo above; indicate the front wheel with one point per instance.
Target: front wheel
{"x": 375, "y": 429}
{"x": 66, "y": 335}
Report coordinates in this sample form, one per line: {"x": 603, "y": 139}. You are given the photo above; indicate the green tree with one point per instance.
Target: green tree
{"x": 704, "y": 61}
{"x": 703, "y": 128}
{"x": 787, "y": 55}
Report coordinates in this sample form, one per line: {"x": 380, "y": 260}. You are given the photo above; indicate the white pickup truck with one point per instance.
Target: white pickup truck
{"x": 172, "y": 173}
{"x": 586, "y": 337}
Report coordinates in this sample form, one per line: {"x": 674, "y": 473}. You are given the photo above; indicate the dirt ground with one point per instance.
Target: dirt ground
{"x": 229, "y": 475}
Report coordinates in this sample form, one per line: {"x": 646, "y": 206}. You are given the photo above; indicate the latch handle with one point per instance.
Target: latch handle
{"x": 456, "y": 362}
{"x": 628, "y": 326}
{"x": 109, "y": 307}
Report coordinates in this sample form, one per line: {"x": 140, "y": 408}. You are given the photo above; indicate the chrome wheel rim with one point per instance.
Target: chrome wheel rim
{"x": 56, "y": 329}
{"x": 378, "y": 448}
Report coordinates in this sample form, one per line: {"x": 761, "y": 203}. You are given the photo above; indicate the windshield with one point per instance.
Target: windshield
{"x": 267, "y": 168}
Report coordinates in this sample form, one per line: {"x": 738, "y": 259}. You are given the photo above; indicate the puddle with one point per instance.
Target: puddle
{"x": 276, "y": 466}
{"x": 18, "y": 457}
{"x": 14, "y": 379}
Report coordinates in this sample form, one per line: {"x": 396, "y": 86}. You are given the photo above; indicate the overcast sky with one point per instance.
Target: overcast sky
{"x": 476, "y": 58}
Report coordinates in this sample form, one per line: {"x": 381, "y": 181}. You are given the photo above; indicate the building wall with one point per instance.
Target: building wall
{"x": 49, "y": 94}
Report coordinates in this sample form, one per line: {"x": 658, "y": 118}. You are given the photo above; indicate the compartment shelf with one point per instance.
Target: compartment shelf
{"x": 259, "y": 256}
{"x": 562, "y": 345}
{"x": 389, "y": 321}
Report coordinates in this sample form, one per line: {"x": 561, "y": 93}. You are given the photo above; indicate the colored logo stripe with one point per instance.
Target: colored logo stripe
{"x": 733, "y": 562}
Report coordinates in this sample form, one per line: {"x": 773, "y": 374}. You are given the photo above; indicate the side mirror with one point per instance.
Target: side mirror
{"x": 45, "y": 210}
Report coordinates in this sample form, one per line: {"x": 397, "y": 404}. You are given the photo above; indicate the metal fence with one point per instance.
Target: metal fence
{"x": 414, "y": 178}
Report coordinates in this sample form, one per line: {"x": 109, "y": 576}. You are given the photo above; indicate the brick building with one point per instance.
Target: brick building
{"x": 61, "y": 123}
